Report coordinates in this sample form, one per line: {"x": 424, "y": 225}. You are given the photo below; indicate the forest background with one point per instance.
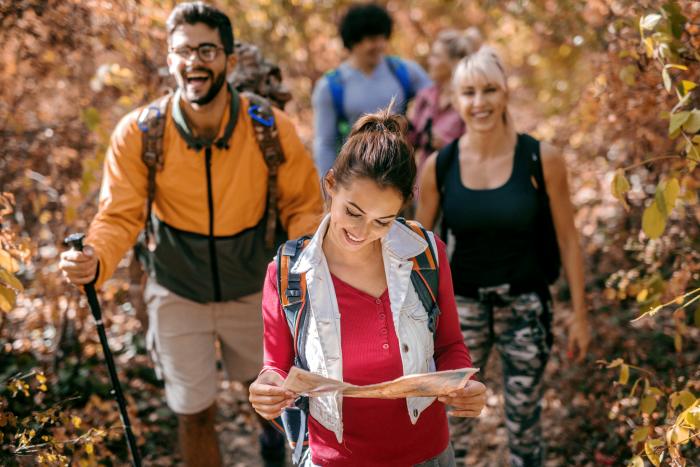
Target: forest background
{"x": 612, "y": 83}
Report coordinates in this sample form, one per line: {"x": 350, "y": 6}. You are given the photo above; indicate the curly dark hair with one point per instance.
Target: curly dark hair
{"x": 200, "y": 12}
{"x": 365, "y": 20}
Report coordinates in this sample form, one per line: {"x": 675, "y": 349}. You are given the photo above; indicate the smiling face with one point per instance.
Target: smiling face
{"x": 361, "y": 213}
{"x": 480, "y": 103}
{"x": 200, "y": 81}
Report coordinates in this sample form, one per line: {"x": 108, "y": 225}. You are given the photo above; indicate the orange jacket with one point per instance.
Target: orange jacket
{"x": 239, "y": 186}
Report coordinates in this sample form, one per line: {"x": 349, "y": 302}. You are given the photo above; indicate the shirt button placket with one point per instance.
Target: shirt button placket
{"x": 383, "y": 328}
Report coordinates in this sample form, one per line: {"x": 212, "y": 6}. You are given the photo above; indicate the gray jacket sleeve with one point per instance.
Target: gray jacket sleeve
{"x": 325, "y": 127}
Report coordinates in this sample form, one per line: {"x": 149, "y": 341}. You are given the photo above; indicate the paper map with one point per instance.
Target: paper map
{"x": 439, "y": 383}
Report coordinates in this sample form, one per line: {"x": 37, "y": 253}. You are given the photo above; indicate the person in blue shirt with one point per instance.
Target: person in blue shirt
{"x": 366, "y": 81}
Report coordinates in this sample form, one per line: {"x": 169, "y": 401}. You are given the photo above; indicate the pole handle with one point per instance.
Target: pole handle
{"x": 75, "y": 241}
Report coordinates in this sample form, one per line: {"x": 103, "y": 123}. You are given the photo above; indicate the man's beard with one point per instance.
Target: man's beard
{"x": 217, "y": 83}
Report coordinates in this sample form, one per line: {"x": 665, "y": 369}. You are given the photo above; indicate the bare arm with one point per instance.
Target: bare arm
{"x": 429, "y": 201}
{"x": 555, "y": 176}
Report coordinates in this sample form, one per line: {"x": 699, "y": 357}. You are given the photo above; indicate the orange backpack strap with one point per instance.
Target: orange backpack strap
{"x": 425, "y": 276}
{"x": 291, "y": 288}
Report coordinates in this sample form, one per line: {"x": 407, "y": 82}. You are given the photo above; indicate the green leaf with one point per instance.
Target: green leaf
{"x": 692, "y": 124}
{"x": 653, "y": 222}
{"x": 656, "y": 391}
{"x": 673, "y": 12}
{"x": 667, "y": 79}
{"x": 640, "y": 434}
{"x": 11, "y": 280}
{"x": 648, "y": 405}
{"x": 677, "y": 120}
{"x": 634, "y": 387}
{"x": 636, "y": 461}
{"x": 660, "y": 199}
{"x": 650, "y": 21}
{"x": 624, "y": 374}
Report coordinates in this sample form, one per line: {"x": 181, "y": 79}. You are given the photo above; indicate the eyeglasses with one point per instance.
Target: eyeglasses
{"x": 206, "y": 52}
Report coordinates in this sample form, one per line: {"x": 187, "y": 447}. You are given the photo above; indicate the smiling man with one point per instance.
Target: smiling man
{"x": 207, "y": 264}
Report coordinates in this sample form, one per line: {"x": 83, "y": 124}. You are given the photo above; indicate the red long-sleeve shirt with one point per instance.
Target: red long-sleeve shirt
{"x": 377, "y": 432}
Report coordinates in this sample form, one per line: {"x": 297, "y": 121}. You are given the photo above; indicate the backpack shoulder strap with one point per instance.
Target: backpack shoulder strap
{"x": 335, "y": 87}
{"x": 151, "y": 122}
{"x": 398, "y": 68}
{"x": 293, "y": 295}
{"x": 425, "y": 275}
{"x": 444, "y": 161}
{"x": 530, "y": 148}
{"x": 260, "y": 112}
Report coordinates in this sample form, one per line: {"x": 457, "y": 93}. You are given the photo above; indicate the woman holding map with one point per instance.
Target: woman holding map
{"x": 365, "y": 320}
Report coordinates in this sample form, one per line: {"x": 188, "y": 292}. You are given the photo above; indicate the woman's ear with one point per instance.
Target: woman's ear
{"x": 329, "y": 182}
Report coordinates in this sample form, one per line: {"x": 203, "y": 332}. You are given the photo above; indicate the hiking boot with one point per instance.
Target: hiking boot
{"x": 273, "y": 451}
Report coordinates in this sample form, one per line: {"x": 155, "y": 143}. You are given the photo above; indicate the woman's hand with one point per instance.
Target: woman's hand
{"x": 579, "y": 337}
{"x": 468, "y": 401}
{"x": 268, "y": 397}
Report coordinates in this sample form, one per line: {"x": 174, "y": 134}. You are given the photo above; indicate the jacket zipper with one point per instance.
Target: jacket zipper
{"x": 212, "y": 240}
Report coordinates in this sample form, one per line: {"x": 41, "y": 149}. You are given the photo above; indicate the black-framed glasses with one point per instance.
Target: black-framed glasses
{"x": 206, "y": 52}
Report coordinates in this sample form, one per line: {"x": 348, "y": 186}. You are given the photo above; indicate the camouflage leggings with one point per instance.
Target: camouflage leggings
{"x": 514, "y": 324}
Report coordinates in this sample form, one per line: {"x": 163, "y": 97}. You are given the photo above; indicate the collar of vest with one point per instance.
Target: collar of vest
{"x": 195, "y": 142}
{"x": 400, "y": 241}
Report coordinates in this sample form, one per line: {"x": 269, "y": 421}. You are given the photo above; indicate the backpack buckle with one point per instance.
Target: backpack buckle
{"x": 144, "y": 115}
{"x": 150, "y": 158}
{"x": 251, "y": 112}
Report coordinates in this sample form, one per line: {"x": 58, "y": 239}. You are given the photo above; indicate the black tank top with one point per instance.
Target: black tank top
{"x": 494, "y": 230}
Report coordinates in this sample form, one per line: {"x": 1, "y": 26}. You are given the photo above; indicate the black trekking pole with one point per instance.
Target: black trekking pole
{"x": 76, "y": 243}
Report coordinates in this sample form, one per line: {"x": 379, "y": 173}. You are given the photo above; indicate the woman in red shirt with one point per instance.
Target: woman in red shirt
{"x": 366, "y": 323}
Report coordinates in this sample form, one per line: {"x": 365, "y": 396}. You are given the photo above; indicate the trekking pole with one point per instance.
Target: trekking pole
{"x": 76, "y": 243}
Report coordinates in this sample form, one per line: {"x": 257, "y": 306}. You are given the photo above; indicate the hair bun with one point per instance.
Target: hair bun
{"x": 381, "y": 121}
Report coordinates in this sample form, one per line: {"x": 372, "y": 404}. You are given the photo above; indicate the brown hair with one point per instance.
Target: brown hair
{"x": 377, "y": 150}
{"x": 460, "y": 44}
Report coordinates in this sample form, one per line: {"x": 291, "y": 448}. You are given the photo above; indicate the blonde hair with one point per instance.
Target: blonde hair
{"x": 485, "y": 66}
{"x": 460, "y": 44}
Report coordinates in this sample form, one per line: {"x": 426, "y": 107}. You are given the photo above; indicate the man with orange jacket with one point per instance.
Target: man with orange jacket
{"x": 206, "y": 272}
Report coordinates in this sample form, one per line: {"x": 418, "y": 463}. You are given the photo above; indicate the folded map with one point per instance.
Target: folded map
{"x": 439, "y": 383}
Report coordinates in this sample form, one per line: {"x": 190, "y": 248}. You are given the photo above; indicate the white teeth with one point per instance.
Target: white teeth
{"x": 197, "y": 75}
{"x": 482, "y": 114}
{"x": 352, "y": 237}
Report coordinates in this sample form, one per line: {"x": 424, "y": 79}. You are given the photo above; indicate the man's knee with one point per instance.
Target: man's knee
{"x": 203, "y": 419}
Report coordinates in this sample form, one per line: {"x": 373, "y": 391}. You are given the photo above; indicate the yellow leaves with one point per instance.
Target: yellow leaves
{"x": 76, "y": 421}
{"x": 42, "y": 381}
{"x": 648, "y": 405}
{"x": 7, "y": 298}
{"x": 89, "y": 448}
{"x": 684, "y": 398}
{"x": 671, "y": 192}
{"x": 17, "y": 386}
{"x": 650, "y": 452}
{"x": 692, "y": 123}
{"x": 653, "y": 221}
{"x": 7, "y": 262}
{"x": 70, "y": 215}
{"x": 640, "y": 434}
{"x": 677, "y": 121}
{"x": 11, "y": 280}
{"x": 641, "y": 296}
{"x": 620, "y": 185}
{"x": 677, "y": 435}
{"x": 648, "y": 47}
{"x": 636, "y": 461}
{"x": 624, "y": 374}
{"x": 614, "y": 363}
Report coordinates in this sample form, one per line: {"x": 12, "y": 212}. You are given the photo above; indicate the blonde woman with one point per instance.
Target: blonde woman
{"x": 486, "y": 184}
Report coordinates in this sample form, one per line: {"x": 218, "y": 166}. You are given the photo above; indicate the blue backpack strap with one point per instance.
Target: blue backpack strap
{"x": 335, "y": 86}
{"x": 398, "y": 68}
{"x": 425, "y": 276}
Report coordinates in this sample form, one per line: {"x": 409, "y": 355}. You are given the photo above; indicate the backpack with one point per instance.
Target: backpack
{"x": 425, "y": 277}
{"x": 335, "y": 85}
{"x": 546, "y": 246}
{"x": 260, "y": 82}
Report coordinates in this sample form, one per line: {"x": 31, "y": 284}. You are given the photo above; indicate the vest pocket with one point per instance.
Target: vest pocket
{"x": 417, "y": 321}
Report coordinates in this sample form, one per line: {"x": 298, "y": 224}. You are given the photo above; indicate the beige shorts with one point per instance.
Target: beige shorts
{"x": 182, "y": 339}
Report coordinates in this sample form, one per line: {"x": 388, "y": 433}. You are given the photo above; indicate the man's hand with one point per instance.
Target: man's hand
{"x": 468, "y": 401}
{"x": 579, "y": 337}
{"x": 79, "y": 267}
{"x": 268, "y": 397}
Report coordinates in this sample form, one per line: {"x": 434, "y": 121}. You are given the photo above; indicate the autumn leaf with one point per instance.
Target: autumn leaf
{"x": 619, "y": 186}
{"x": 624, "y": 374}
{"x": 11, "y": 280}
{"x": 7, "y": 298}
{"x": 640, "y": 434}
{"x": 673, "y": 189}
{"x": 7, "y": 262}
{"x": 677, "y": 121}
{"x": 649, "y": 450}
{"x": 653, "y": 222}
{"x": 648, "y": 405}
{"x": 636, "y": 461}
{"x": 692, "y": 124}
{"x": 660, "y": 198}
